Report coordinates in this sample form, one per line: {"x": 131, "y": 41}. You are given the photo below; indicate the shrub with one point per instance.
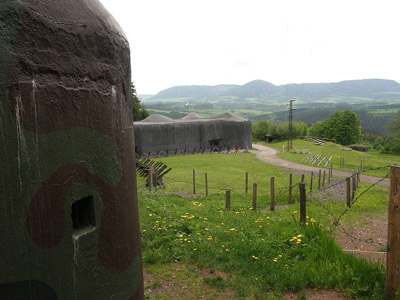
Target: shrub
{"x": 362, "y": 148}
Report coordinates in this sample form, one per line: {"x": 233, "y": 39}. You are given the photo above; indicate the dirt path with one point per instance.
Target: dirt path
{"x": 269, "y": 155}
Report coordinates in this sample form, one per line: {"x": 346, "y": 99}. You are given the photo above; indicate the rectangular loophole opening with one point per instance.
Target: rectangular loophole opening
{"x": 214, "y": 143}
{"x": 83, "y": 214}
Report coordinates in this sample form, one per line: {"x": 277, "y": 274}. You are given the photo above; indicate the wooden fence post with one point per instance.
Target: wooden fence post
{"x": 348, "y": 191}
{"x": 206, "y": 181}
{"x": 302, "y": 177}
{"x": 246, "y": 183}
{"x": 311, "y": 181}
{"x": 150, "y": 179}
{"x": 393, "y": 237}
{"x": 331, "y": 168}
{"x": 319, "y": 179}
{"x": 254, "y": 196}
{"x": 228, "y": 200}
{"x": 358, "y": 178}
{"x": 329, "y": 176}
{"x": 323, "y": 179}
{"x": 290, "y": 187}
{"x": 272, "y": 204}
{"x": 302, "y": 187}
{"x": 194, "y": 181}
{"x": 354, "y": 186}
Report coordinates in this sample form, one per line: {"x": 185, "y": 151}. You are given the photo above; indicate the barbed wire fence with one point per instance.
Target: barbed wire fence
{"x": 321, "y": 197}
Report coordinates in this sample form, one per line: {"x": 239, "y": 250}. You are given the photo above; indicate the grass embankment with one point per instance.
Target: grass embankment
{"x": 263, "y": 253}
{"x": 352, "y": 159}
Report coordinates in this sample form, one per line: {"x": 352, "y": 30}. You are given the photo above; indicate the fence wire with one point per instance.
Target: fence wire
{"x": 314, "y": 197}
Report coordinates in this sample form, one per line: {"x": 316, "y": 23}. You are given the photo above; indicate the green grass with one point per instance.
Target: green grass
{"x": 259, "y": 250}
{"x": 224, "y": 171}
{"x": 352, "y": 158}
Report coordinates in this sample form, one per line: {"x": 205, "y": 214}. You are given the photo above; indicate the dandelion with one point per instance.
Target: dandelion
{"x": 150, "y": 215}
{"x": 280, "y": 256}
{"x": 181, "y": 236}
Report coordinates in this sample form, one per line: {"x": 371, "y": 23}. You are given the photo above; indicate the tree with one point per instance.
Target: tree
{"x": 139, "y": 112}
{"x": 261, "y": 129}
{"x": 278, "y": 131}
{"x": 394, "y": 128}
{"x": 343, "y": 126}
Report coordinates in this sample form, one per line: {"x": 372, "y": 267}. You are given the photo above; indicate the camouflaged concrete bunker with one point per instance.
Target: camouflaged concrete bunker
{"x": 69, "y": 225}
{"x": 159, "y": 133}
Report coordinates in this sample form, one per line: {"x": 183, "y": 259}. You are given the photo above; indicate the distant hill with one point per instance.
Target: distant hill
{"x": 144, "y": 96}
{"x": 195, "y": 91}
{"x": 263, "y": 90}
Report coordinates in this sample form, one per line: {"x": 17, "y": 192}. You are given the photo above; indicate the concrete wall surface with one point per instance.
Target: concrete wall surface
{"x": 159, "y": 133}
{"x": 69, "y": 226}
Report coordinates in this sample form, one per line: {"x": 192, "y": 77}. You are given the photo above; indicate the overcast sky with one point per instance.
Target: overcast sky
{"x": 210, "y": 42}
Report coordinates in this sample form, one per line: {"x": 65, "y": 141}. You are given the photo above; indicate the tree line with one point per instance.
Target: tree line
{"x": 342, "y": 126}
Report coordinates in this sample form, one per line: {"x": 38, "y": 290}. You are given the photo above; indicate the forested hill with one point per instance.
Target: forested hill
{"x": 263, "y": 90}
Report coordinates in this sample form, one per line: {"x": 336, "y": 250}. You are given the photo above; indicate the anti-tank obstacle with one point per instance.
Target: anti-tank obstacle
{"x": 153, "y": 171}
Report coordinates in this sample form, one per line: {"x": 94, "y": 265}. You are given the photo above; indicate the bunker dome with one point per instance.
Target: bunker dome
{"x": 69, "y": 227}
{"x": 160, "y": 133}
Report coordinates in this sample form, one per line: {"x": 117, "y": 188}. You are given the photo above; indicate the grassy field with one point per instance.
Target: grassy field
{"x": 246, "y": 254}
{"x": 352, "y": 159}
{"x": 224, "y": 171}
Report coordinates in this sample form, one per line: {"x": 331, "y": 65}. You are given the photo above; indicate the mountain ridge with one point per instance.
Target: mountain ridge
{"x": 374, "y": 88}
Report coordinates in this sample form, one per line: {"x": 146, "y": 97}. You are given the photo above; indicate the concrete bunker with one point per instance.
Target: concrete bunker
{"x": 159, "y": 133}
{"x": 68, "y": 180}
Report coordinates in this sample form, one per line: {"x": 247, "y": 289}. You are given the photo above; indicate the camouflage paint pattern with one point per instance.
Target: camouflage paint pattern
{"x": 66, "y": 134}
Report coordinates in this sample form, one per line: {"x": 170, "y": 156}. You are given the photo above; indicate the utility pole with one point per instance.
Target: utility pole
{"x": 290, "y": 133}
